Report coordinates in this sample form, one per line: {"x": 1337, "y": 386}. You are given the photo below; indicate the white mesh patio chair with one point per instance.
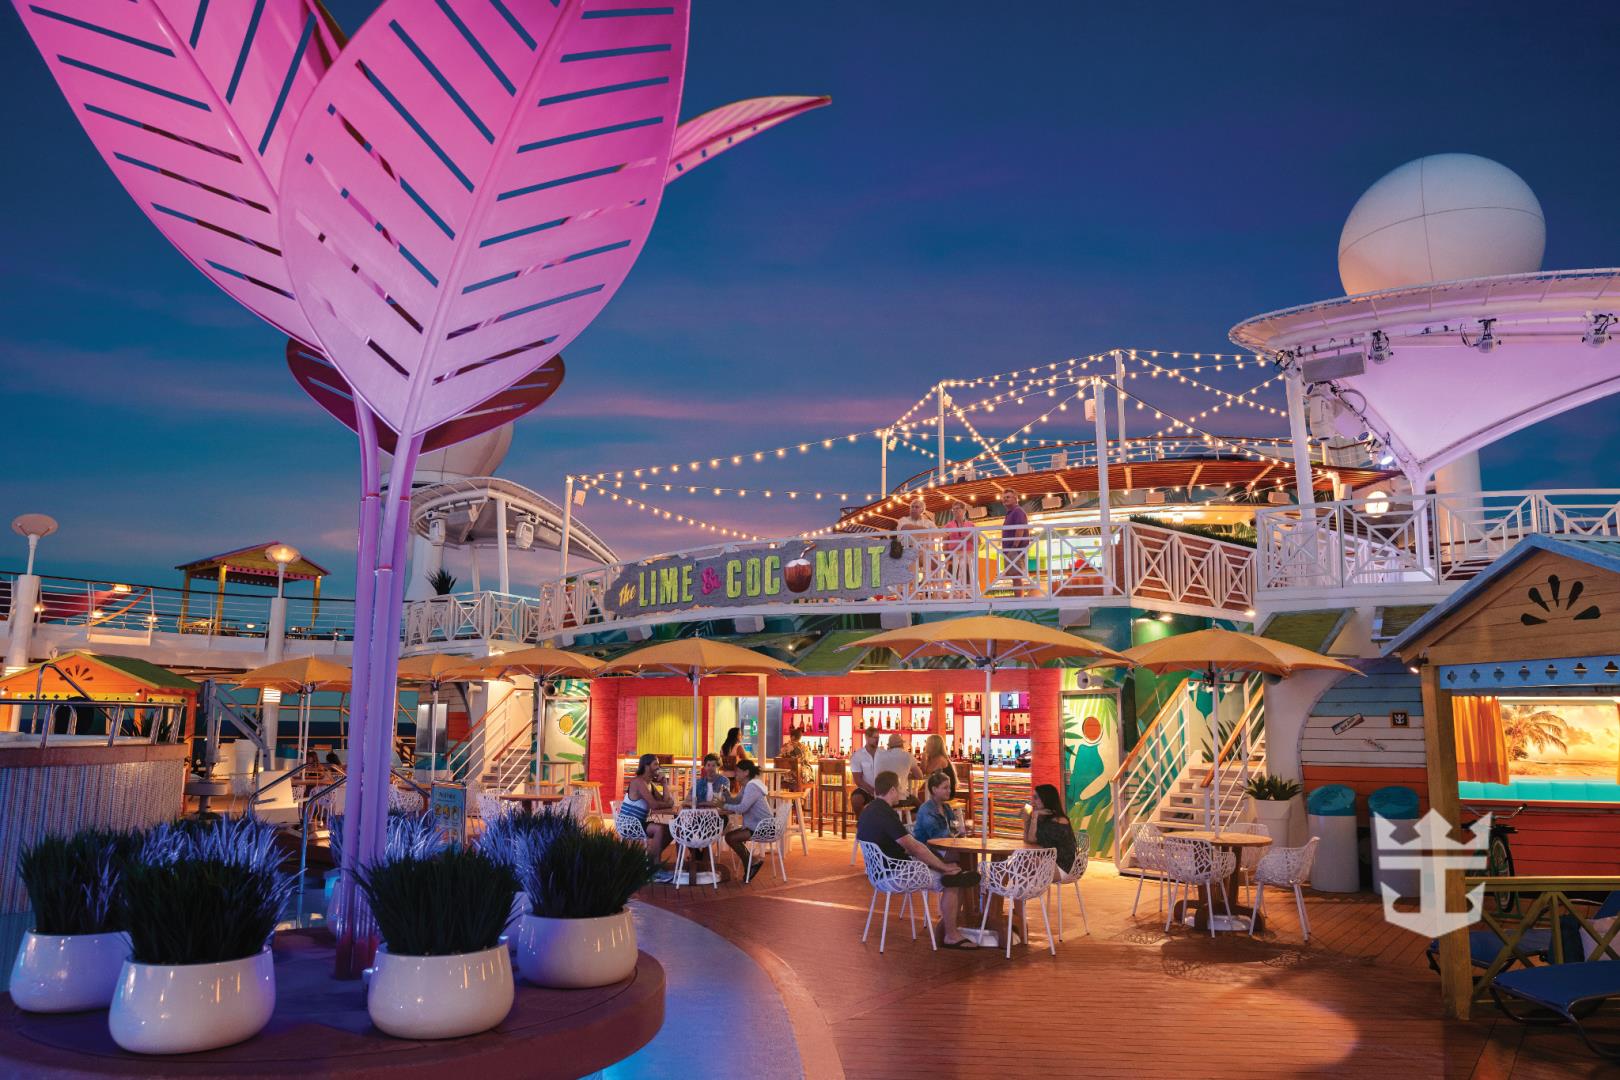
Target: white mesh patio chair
{"x": 903, "y": 877}
{"x": 1249, "y": 857}
{"x": 771, "y": 836}
{"x": 628, "y": 826}
{"x": 695, "y": 831}
{"x": 1082, "y": 856}
{"x": 1190, "y": 864}
{"x": 1285, "y": 868}
{"x": 1024, "y": 875}
{"x": 492, "y": 808}
{"x": 1147, "y": 856}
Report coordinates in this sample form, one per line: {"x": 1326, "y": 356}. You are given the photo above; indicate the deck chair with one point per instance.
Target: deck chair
{"x": 1572, "y": 992}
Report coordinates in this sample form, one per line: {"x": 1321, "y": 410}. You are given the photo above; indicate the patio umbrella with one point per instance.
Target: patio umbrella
{"x": 303, "y": 676}
{"x": 989, "y": 642}
{"x": 691, "y": 659}
{"x": 541, "y": 663}
{"x": 1210, "y": 654}
{"x": 431, "y": 671}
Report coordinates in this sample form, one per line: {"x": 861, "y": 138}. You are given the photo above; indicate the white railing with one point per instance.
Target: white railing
{"x": 1239, "y": 760}
{"x": 504, "y": 723}
{"x": 992, "y": 566}
{"x": 1401, "y": 540}
{"x": 1154, "y": 765}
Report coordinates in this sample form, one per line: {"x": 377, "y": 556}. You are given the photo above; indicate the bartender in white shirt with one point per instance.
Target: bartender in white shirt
{"x": 863, "y": 770}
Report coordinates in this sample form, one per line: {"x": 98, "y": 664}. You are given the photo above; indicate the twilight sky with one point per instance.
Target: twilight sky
{"x": 990, "y": 189}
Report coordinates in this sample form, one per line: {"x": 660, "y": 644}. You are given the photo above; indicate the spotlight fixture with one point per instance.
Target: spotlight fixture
{"x": 1487, "y": 341}
{"x": 1597, "y": 333}
{"x": 1380, "y": 350}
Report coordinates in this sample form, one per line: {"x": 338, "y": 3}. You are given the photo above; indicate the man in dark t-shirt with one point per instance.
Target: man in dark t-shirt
{"x": 880, "y": 825}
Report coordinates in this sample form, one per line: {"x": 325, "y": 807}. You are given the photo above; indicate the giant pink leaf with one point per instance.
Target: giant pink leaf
{"x": 469, "y": 185}
{"x": 320, "y": 380}
{"x": 704, "y": 137}
{"x": 191, "y": 103}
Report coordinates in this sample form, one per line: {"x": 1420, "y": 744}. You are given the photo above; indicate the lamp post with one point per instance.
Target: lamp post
{"x": 275, "y": 641}
{"x": 25, "y": 592}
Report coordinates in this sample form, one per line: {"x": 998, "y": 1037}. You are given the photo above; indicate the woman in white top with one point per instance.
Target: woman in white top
{"x": 754, "y": 808}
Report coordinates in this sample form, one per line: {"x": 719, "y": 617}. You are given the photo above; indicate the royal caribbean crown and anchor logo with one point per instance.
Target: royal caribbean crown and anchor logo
{"x": 1433, "y": 854}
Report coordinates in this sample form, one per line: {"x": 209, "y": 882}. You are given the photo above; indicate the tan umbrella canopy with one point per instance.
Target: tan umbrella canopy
{"x": 989, "y": 642}
{"x": 432, "y": 671}
{"x": 302, "y": 676}
{"x": 1213, "y": 653}
{"x": 541, "y": 663}
{"x": 691, "y": 659}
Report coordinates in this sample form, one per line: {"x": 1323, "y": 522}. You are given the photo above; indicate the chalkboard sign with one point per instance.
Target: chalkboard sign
{"x": 448, "y": 804}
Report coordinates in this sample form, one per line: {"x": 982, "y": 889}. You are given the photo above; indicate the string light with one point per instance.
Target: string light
{"x": 588, "y": 483}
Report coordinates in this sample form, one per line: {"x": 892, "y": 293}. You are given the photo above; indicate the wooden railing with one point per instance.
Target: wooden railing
{"x": 1553, "y": 901}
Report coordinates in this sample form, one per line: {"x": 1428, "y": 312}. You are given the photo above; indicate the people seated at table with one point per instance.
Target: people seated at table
{"x": 863, "y": 772}
{"x": 643, "y": 794}
{"x": 880, "y": 825}
{"x": 754, "y": 808}
{"x": 801, "y": 759}
{"x": 936, "y": 817}
{"x": 935, "y": 759}
{"x": 711, "y": 786}
{"x": 898, "y": 760}
{"x": 1047, "y": 825}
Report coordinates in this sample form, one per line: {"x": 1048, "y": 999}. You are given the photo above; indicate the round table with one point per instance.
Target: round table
{"x": 982, "y": 847}
{"x": 531, "y": 798}
{"x": 1205, "y": 908}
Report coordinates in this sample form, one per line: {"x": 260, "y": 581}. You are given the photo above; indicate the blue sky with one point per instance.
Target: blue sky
{"x": 990, "y": 189}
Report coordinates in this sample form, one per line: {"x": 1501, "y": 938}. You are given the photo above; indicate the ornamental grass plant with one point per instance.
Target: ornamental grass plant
{"x": 195, "y": 910}
{"x": 74, "y": 882}
{"x": 450, "y": 903}
{"x": 581, "y": 874}
{"x": 518, "y": 838}
{"x": 243, "y": 841}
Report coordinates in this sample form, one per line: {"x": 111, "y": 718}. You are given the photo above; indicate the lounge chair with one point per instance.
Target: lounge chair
{"x": 1572, "y": 992}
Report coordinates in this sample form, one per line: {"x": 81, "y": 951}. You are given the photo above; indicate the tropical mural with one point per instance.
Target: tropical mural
{"x": 1091, "y": 747}
{"x": 1577, "y": 738}
{"x": 568, "y": 720}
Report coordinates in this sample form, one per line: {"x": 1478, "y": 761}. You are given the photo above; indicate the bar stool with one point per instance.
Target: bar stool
{"x": 592, "y": 790}
{"x": 796, "y": 799}
{"x": 832, "y": 795}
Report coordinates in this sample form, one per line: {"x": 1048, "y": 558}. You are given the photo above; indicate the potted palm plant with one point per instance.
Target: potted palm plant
{"x": 1273, "y": 800}
{"x": 442, "y": 971}
{"x": 579, "y": 932}
{"x": 70, "y": 960}
{"x": 199, "y": 975}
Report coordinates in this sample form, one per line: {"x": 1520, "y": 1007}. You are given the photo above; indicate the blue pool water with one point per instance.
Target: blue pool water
{"x": 1543, "y": 790}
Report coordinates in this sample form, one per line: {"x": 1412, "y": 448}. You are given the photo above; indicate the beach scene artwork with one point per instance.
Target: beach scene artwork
{"x": 1550, "y": 737}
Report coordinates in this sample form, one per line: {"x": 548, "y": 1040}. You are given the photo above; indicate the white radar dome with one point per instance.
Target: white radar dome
{"x": 480, "y": 455}
{"x": 1441, "y": 218}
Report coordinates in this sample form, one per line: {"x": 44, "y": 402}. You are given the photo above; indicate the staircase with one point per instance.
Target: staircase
{"x": 499, "y": 750}
{"x": 1169, "y": 780}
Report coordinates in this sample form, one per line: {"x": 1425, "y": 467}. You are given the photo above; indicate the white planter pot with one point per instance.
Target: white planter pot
{"x": 574, "y": 953}
{"x": 67, "y": 973}
{"x": 440, "y": 997}
{"x": 181, "y": 1009}
{"x": 1274, "y": 815}
{"x": 514, "y": 923}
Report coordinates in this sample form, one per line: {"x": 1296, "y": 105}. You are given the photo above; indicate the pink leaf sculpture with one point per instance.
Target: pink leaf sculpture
{"x": 704, "y": 137}
{"x": 191, "y": 103}
{"x": 470, "y": 184}
{"x": 320, "y": 380}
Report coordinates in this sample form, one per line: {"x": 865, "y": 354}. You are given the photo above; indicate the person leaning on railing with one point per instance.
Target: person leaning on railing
{"x": 1014, "y": 539}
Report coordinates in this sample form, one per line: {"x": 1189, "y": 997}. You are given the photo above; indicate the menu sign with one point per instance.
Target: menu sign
{"x": 844, "y": 568}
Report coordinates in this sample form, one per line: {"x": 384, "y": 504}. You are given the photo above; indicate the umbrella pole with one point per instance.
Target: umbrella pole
{"x": 1215, "y": 706}
{"x": 984, "y": 753}
{"x": 693, "y": 783}
{"x": 539, "y": 729}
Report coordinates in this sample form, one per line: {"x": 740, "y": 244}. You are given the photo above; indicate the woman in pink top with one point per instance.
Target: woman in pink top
{"x": 959, "y": 543}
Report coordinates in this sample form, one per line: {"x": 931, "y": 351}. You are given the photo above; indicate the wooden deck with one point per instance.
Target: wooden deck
{"x": 1126, "y": 1001}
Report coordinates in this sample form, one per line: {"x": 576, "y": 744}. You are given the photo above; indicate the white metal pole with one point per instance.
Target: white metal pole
{"x": 1119, "y": 397}
{"x": 883, "y": 464}
{"x": 539, "y": 727}
{"x": 984, "y": 750}
{"x": 1300, "y": 433}
{"x": 567, "y": 529}
{"x": 503, "y": 568}
{"x": 1105, "y": 521}
{"x": 1215, "y": 726}
{"x": 939, "y": 427}
{"x": 696, "y": 749}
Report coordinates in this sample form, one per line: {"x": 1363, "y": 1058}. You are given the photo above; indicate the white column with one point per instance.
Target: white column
{"x": 939, "y": 427}
{"x": 883, "y": 463}
{"x": 504, "y": 569}
{"x": 1300, "y": 432}
{"x": 472, "y": 549}
{"x": 24, "y": 595}
{"x": 275, "y": 644}
{"x": 1104, "y": 515}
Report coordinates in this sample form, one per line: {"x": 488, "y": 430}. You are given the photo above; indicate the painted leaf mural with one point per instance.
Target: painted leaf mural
{"x": 321, "y": 381}
{"x": 469, "y": 185}
{"x": 191, "y": 103}
{"x": 705, "y": 137}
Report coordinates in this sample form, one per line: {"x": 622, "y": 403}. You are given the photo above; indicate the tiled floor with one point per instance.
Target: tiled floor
{"x": 1126, "y": 1000}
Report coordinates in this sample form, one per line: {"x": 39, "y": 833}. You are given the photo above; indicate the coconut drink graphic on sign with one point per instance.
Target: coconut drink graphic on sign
{"x": 851, "y": 568}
